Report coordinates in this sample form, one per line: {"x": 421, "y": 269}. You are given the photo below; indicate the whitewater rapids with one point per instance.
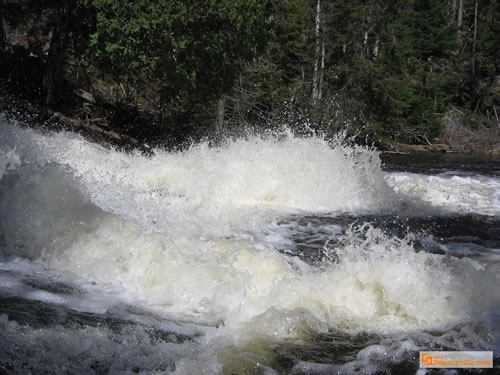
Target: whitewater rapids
{"x": 206, "y": 241}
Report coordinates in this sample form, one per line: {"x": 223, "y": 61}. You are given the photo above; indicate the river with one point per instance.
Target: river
{"x": 265, "y": 255}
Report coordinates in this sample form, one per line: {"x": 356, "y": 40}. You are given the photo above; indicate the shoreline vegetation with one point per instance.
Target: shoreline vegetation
{"x": 410, "y": 76}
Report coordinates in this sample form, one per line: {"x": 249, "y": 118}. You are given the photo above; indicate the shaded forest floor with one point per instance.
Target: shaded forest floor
{"x": 457, "y": 138}
{"x": 104, "y": 121}
{"x": 127, "y": 128}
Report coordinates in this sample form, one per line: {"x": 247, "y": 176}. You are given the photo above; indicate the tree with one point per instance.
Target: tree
{"x": 391, "y": 67}
{"x": 57, "y": 30}
{"x": 389, "y": 70}
{"x": 317, "y": 81}
{"x": 278, "y": 75}
{"x": 483, "y": 40}
{"x": 190, "y": 50}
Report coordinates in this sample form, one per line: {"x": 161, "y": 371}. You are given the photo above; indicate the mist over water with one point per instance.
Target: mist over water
{"x": 264, "y": 255}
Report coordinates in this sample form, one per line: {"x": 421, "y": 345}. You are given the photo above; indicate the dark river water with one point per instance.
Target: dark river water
{"x": 262, "y": 256}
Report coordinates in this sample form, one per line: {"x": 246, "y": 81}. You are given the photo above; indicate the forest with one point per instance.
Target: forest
{"x": 384, "y": 71}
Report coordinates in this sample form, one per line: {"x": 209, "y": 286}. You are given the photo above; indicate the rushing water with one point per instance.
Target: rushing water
{"x": 274, "y": 255}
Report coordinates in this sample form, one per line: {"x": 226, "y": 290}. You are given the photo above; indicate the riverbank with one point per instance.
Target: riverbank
{"x": 479, "y": 148}
{"x": 111, "y": 125}
{"x": 105, "y": 130}
{"x": 457, "y": 138}
{"x": 92, "y": 112}
{"x": 125, "y": 127}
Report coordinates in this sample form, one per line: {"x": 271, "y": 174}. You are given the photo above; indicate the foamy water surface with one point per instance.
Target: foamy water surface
{"x": 266, "y": 255}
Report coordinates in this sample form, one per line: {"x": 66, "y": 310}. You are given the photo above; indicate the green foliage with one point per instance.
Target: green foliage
{"x": 191, "y": 51}
{"x": 391, "y": 69}
{"x": 485, "y": 93}
{"x": 276, "y": 76}
{"x": 388, "y": 67}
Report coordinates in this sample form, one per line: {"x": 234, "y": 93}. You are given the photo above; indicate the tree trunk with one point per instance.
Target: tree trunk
{"x": 460, "y": 17}
{"x": 375, "y": 49}
{"x": 452, "y": 10}
{"x": 496, "y": 115}
{"x": 320, "y": 88}
{"x": 316, "y": 89}
{"x": 219, "y": 121}
{"x": 54, "y": 73}
{"x": 473, "y": 57}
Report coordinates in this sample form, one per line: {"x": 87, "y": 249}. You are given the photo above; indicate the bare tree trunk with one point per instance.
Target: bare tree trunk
{"x": 54, "y": 74}
{"x": 219, "y": 121}
{"x": 452, "y": 10}
{"x": 375, "y": 49}
{"x": 320, "y": 88}
{"x": 496, "y": 115}
{"x": 460, "y": 17}
{"x": 316, "y": 89}
{"x": 473, "y": 58}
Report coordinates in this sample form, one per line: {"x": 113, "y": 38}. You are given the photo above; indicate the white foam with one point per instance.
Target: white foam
{"x": 453, "y": 194}
{"x": 187, "y": 196}
{"x": 9, "y": 160}
{"x": 383, "y": 287}
{"x": 192, "y": 235}
{"x": 211, "y": 189}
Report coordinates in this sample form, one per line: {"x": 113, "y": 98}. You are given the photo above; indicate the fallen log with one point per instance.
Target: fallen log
{"x": 89, "y": 124}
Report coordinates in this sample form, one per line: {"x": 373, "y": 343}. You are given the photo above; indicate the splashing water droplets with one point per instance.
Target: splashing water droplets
{"x": 220, "y": 236}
